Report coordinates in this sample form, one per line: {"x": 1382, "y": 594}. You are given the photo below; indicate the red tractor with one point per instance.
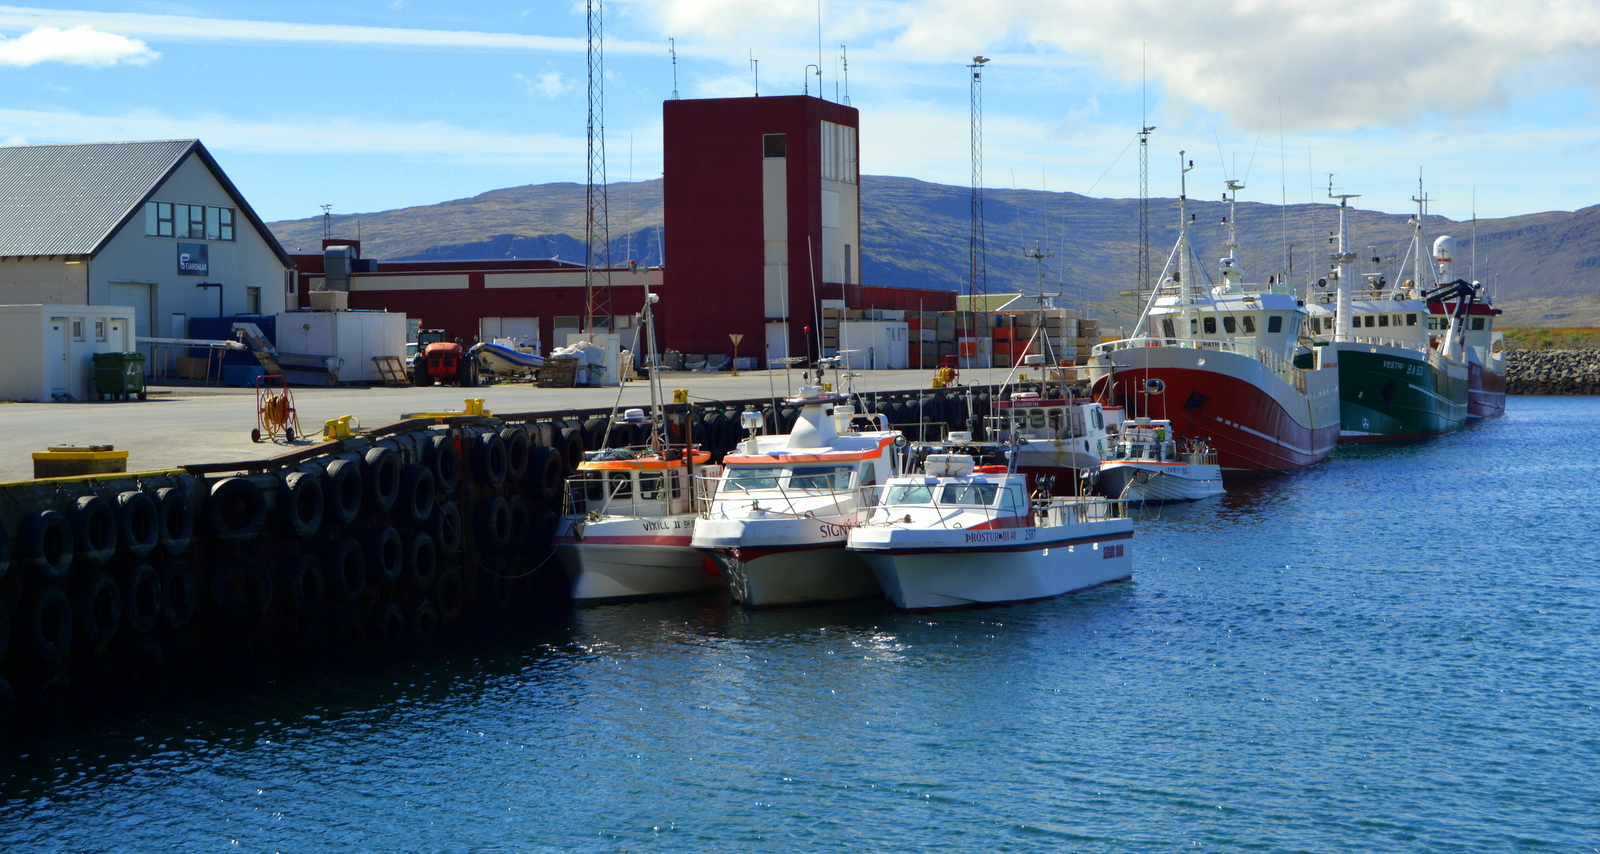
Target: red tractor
{"x": 441, "y": 361}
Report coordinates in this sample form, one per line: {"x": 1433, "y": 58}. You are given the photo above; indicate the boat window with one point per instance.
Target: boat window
{"x": 650, "y": 484}
{"x": 907, "y": 494}
{"x": 969, "y": 494}
{"x": 594, "y": 487}
{"x": 1036, "y": 418}
{"x": 820, "y": 478}
{"x": 1022, "y": 420}
{"x": 1099, "y": 420}
{"x": 1477, "y": 323}
{"x": 1411, "y": 320}
{"x": 675, "y": 484}
{"x": 1249, "y": 324}
{"x": 1194, "y": 326}
{"x": 1229, "y": 325}
{"x": 1055, "y": 421}
{"x": 869, "y": 474}
{"x": 1274, "y": 323}
{"x": 619, "y": 484}
{"x": 748, "y": 479}
{"x": 1211, "y": 326}
{"x": 1166, "y": 328}
{"x": 1383, "y": 320}
{"x": 1011, "y": 498}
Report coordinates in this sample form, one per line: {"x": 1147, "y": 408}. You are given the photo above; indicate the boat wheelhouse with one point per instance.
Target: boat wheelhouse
{"x": 1057, "y": 438}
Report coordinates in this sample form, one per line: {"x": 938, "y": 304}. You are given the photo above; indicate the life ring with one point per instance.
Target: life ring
{"x": 44, "y": 544}
{"x": 391, "y": 629}
{"x": 176, "y": 520}
{"x": 489, "y": 460}
{"x": 385, "y": 553}
{"x": 138, "y": 524}
{"x": 237, "y": 511}
{"x": 346, "y": 569}
{"x": 342, "y": 491}
{"x": 451, "y": 593}
{"x": 180, "y": 593}
{"x": 517, "y": 449}
{"x": 99, "y": 608}
{"x": 302, "y": 504}
{"x": 445, "y": 526}
{"x": 492, "y": 523}
{"x": 141, "y": 596}
{"x": 307, "y": 584}
{"x": 242, "y": 588}
{"x": 94, "y": 531}
{"x": 50, "y": 626}
{"x": 422, "y": 562}
{"x": 381, "y": 477}
{"x": 422, "y": 624}
{"x": 416, "y": 493}
{"x": 444, "y": 459}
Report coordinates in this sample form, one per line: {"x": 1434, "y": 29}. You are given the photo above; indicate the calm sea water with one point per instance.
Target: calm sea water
{"x": 1396, "y": 651}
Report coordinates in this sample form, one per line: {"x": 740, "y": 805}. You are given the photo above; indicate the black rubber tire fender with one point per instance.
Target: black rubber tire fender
{"x": 380, "y": 477}
{"x": 342, "y": 491}
{"x": 180, "y": 593}
{"x": 445, "y": 526}
{"x": 386, "y": 555}
{"x": 490, "y": 461}
{"x": 141, "y": 596}
{"x": 544, "y": 467}
{"x": 521, "y": 521}
{"x": 491, "y": 520}
{"x": 391, "y": 635}
{"x": 242, "y": 588}
{"x": 416, "y": 493}
{"x": 517, "y": 448}
{"x": 138, "y": 524}
{"x": 444, "y": 459}
{"x": 572, "y": 446}
{"x": 176, "y": 520}
{"x": 236, "y": 511}
{"x": 422, "y": 625}
{"x": 345, "y": 565}
{"x": 451, "y": 594}
{"x": 305, "y": 584}
{"x": 50, "y": 624}
{"x": 44, "y": 544}
{"x": 99, "y": 608}
{"x": 94, "y": 531}
{"x": 542, "y": 531}
{"x": 422, "y": 561}
{"x": 301, "y": 503}
{"x": 5, "y": 642}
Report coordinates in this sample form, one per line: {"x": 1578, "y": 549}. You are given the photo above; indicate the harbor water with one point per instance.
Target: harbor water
{"x": 1398, "y": 650}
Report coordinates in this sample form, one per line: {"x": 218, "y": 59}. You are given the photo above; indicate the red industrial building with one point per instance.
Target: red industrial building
{"x": 762, "y": 210}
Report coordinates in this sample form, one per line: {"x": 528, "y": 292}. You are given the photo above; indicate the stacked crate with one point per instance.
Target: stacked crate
{"x": 830, "y": 330}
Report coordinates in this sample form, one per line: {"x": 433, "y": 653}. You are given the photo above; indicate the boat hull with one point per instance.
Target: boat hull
{"x": 778, "y": 563}
{"x": 1157, "y": 483}
{"x": 632, "y": 558}
{"x": 1256, "y": 421}
{"x": 1016, "y": 565}
{"x": 1486, "y": 392}
{"x": 1391, "y": 394}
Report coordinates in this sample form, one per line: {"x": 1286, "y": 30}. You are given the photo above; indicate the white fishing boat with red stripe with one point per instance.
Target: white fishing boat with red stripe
{"x": 959, "y": 535}
{"x": 783, "y": 508}
{"x": 1151, "y": 465}
{"x": 1225, "y": 363}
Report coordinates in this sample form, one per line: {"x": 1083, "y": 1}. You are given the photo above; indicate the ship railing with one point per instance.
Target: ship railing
{"x": 1271, "y": 359}
{"x": 1066, "y": 510}
{"x": 653, "y": 494}
{"x": 1384, "y": 341}
{"x": 778, "y": 497}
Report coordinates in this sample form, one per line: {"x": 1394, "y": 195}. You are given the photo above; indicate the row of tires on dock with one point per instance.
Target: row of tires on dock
{"x": 116, "y": 588}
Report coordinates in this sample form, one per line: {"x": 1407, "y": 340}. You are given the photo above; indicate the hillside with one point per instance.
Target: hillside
{"x": 1544, "y": 268}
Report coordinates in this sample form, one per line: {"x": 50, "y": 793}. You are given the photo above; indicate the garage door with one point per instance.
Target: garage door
{"x": 142, "y": 297}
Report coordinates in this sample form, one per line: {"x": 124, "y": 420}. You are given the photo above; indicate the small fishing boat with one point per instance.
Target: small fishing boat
{"x": 504, "y": 361}
{"x": 1149, "y": 464}
{"x": 784, "y": 505}
{"x": 1059, "y": 437}
{"x": 958, "y": 535}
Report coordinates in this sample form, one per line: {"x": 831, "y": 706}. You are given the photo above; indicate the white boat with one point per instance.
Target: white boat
{"x": 783, "y": 508}
{"x": 957, "y": 536}
{"x": 1150, "y": 464}
{"x": 500, "y": 360}
{"x": 629, "y": 521}
{"x": 1057, "y": 437}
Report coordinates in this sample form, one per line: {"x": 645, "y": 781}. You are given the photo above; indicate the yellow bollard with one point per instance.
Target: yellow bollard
{"x": 339, "y": 428}
{"x": 680, "y": 395}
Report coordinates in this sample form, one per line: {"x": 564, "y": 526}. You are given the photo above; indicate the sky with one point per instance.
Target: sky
{"x": 370, "y": 105}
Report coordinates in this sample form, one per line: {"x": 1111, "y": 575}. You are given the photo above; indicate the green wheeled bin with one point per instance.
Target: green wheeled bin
{"x": 119, "y": 375}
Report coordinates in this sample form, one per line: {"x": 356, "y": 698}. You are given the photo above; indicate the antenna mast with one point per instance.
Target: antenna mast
{"x": 327, "y": 222}
{"x": 1144, "y": 184}
{"x": 672, "y": 48}
{"x": 845, "y": 56}
{"x": 1343, "y": 258}
{"x": 597, "y": 227}
{"x": 978, "y": 244}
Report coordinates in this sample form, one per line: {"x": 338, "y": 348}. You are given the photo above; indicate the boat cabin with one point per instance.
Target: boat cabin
{"x": 620, "y": 482}
{"x": 1028, "y": 416}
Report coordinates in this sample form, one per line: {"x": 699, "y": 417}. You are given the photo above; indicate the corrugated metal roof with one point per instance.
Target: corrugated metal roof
{"x": 68, "y": 199}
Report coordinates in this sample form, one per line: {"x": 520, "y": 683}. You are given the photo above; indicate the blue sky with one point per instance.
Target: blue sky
{"x": 375, "y": 105}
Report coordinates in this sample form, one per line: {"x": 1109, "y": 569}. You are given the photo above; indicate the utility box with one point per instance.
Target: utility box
{"x": 354, "y": 336}
{"x": 875, "y": 344}
{"x": 49, "y": 349}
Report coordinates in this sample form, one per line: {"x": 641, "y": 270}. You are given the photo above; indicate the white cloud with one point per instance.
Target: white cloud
{"x": 81, "y": 45}
{"x": 548, "y": 84}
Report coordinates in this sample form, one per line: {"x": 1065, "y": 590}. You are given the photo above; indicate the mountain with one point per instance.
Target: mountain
{"x": 1543, "y": 268}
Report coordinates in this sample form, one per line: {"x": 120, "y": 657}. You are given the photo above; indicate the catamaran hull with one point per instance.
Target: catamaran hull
{"x": 1157, "y": 483}
{"x": 1389, "y": 394}
{"x": 964, "y": 576}
{"x": 1486, "y": 393}
{"x": 1256, "y": 421}
{"x": 614, "y": 571}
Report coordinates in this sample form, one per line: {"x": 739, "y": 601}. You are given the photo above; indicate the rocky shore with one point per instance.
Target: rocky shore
{"x": 1553, "y": 371}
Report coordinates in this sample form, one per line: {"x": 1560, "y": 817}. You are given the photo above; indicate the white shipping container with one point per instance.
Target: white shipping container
{"x": 878, "y": 344}
{"x": 354, "y": 336}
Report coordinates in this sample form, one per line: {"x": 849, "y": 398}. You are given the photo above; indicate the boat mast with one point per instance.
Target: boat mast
{"x": 1343, "y": 259}
{"x": 1185, "y": 271}
{"x": 658, "y": 429}
{"x": 1419, "y": 237}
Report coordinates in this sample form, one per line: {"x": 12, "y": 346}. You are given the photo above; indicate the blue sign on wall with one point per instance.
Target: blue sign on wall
{"x": 194, "y": 259}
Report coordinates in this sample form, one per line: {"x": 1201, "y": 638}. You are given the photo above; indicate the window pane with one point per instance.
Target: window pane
{"x": 745, "y": 479}
{"x": 197, "y": 222}
{"x": 1229, "y": 325}
{"x": 1383, "y": 320}
{"x": 1249, "y": 325}
{"x": 910, "y": 495}
{"x": 225, "y": 232}
{"x": 213, "y": 223}
{"x": 1411, "y": 320}
{"x": 969, "y": 494}
{"x": 820, "y": 478}
{"x": 1275, "y": 323}
{"x": 775, "y": 145}
{"x": 1211, "y": 326}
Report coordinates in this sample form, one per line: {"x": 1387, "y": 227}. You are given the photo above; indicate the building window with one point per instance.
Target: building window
{"x": 838, "y": 153}
{"x": 99, "y": 329}
{"x": 847, "y": 265}
{"x": 252, "y": 300}
{"x": 77, "y": 329}
{"x": 158, "y": 219}
{"x": 189, "y": 222}
{"x": 775, "y": 145}
{"x": 225, "y": 225}
{"x": 288, "y": 282}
